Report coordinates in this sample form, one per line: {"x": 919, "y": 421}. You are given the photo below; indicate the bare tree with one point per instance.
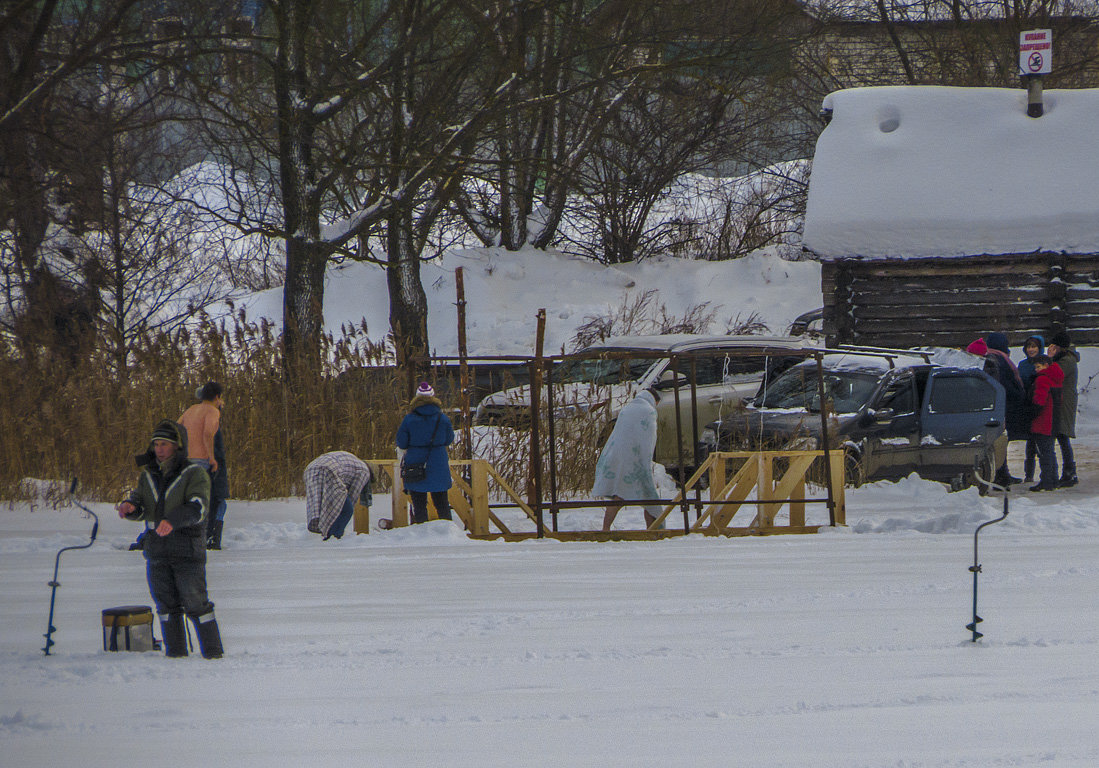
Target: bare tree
{"x": 49, "y": 55}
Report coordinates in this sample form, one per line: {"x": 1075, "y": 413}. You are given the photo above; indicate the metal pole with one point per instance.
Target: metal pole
{"x": 552, "y": 445}
{"x": 1034, "y": 106}
{"x": 681, "y": 480}
{"x": 463, "y": 366}
{"x": 824, "y": 440}
{"x": 694, "y": 431}
{"x": 535, "y": 424}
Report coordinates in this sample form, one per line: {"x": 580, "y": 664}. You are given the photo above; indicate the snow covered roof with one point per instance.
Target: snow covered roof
{"x": 911, "y": 171}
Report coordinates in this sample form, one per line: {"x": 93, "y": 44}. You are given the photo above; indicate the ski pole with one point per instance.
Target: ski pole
{"x": 976, "y": 567}
{"x": 54, "y": 584}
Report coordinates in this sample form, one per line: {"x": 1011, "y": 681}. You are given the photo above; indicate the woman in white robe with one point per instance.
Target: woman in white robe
{"x": 625, "y": 466}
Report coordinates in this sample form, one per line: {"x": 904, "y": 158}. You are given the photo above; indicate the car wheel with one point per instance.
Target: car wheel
{"x": 982, "y": 467}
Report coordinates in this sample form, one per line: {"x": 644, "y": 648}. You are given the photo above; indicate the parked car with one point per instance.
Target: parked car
{"x": 892, "y": 415}
{"x": 809, "y": 324}
{"x": 605, "y": 376}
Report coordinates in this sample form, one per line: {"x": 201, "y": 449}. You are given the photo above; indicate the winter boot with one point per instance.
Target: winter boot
{"x": 1068, "y": 479}
{"x": 213, "y": 534}
{"x": 175, "y": 634}
{"x": 209, "y": 638}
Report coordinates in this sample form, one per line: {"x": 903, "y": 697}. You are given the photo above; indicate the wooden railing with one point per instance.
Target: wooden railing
{"x": 727, "y": 488}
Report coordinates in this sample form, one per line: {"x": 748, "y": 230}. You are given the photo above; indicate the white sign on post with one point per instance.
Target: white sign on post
{"x": 1036, "y": 52}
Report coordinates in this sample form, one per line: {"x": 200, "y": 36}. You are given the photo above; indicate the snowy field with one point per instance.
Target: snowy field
{"x": 419, "y": 647}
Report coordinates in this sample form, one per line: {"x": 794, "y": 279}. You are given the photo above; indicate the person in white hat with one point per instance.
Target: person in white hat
{"x": 424, "y": 434}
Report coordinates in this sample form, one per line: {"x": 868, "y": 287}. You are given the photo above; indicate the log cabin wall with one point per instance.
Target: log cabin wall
{"x": 951, "y": 301}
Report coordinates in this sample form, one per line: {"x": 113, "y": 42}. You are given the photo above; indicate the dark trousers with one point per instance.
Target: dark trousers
{"x": 178, "y": 586}
{"x": 1068, "y": 460}
{"x": 217, "y": 509}
{"x": 1031, "y": 457}
{"x": 341, "y": 521}
{"x": 1047, "y": 460}
{"x": 419, "y": 505}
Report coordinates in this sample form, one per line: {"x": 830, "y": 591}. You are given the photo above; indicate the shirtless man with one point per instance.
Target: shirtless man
{"x": 201, "y": 421}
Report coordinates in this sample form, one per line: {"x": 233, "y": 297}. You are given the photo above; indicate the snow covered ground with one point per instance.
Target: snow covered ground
{"x": 420, "y": 647}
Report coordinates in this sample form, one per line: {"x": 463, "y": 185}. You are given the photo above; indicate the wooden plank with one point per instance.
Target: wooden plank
{"x": 361, "y": 519}
{"x": 511, "y": 493}
{"x": 974, "y": 284}
{"x": 919, "y": 268}
{"x": 733, "y": 493}
{"x": 783, "y": 489}
{"x": 922, "y": 311}
{"x": 978, "y": 326}
{"x": 949, "y": 298}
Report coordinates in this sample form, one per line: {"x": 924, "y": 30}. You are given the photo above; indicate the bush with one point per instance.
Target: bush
{"x": 79, "y": 419}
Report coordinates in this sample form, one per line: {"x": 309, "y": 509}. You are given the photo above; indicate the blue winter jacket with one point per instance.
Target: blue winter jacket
{"x": 1026, "y": 368}
{"x": 415, "y": 437}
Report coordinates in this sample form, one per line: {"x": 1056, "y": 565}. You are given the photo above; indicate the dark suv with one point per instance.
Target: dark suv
{"x": 893, "y": 414}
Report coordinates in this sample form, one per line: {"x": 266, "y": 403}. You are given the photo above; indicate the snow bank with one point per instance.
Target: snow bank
{"x": 505, "y": 289}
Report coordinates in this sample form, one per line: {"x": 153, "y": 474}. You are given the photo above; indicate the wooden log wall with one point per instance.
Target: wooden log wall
{"x": 951, "y": 301}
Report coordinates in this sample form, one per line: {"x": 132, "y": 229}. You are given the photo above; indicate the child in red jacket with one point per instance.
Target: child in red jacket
{"x": 1046, "y": 393}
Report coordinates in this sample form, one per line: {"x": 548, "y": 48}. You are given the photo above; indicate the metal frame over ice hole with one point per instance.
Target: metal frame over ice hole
{"x": 720, "y": 486}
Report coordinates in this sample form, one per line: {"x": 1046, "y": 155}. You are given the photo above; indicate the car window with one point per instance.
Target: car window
{"x": 605, "y": 371}
{"x": 900, "y": 396}
{"x": 961, "y": 394}
{"x": 741, "y": 369}
{"x": 798, "y": 388}
{"x": 723, "y": 368}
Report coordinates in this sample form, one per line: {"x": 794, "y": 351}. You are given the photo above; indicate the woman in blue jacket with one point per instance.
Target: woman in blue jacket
{"x": 424, "y": 435}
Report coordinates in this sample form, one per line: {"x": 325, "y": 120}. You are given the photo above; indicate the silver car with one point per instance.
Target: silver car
{"x": 605, "y": 376}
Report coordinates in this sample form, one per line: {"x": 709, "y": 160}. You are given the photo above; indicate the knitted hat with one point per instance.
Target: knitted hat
{"x": 1061, "y": 339}
{"x": 165, "y": 430}
{"x": 997, "y": 340}
{"x": 977, "y": 347}
{"x": 425, "y": 390}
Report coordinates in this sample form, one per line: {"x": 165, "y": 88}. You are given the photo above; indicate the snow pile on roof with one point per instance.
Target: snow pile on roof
{"x": 913, "y": 171}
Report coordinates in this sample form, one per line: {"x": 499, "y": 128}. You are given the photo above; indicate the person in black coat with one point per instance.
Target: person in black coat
{"x": 172, "y": 497}
{"x": 1061, "y": 352}
{"x": 997, "y": 354}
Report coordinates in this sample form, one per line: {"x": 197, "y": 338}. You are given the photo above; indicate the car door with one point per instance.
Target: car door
{"x": 713, "y": 399}
{"x": 892, "y": 444}
{"x": 962, "y": 416}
